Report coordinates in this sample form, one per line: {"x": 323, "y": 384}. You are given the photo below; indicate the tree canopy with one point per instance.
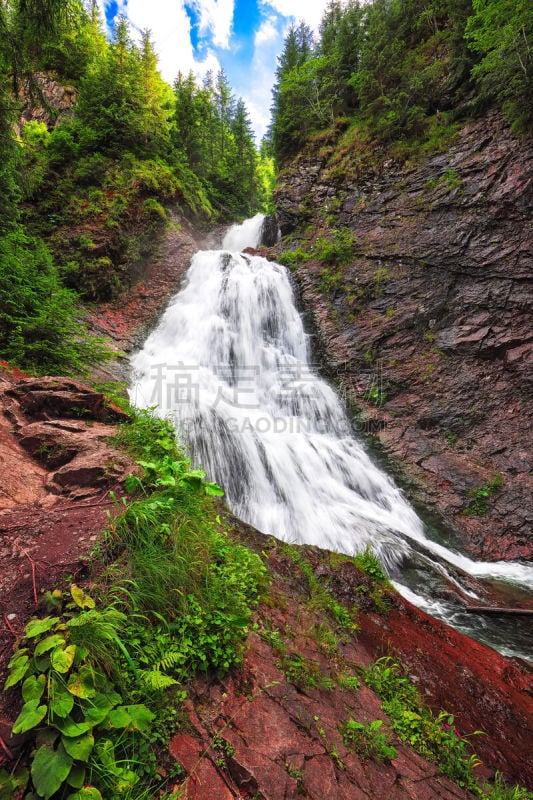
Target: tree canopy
{"x": 84, "y": 186}
{"x": 392, "y": 65}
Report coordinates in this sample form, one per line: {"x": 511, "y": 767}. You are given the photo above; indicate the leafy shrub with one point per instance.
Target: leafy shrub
{"x": 321, "y": 596}
{"x": 33, "y": 160}
{"x": 500, "y": 790}
{"x": 435, "y": 737}
{"x": 39, "y": 326}
{"x": 71, "y": 704}
{"x": 375, "y": 394}
{"x": 330, "y": 282}
{"x": 62, "y": 146}
{"x": 370, "y": 564}
{"x": 90, "y": 170}
{"x": 153, "y": 209}
{"x": 304, "y": 673}
{"x": 183, "y": 566}
{"x": 291, "y": 258}
{"x": 180, "y": 601}
{"x": 338, "y": 250}
{"x": 155, "y": 177}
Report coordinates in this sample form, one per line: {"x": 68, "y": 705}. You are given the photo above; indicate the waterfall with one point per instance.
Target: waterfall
{"x": 230, "y": 363}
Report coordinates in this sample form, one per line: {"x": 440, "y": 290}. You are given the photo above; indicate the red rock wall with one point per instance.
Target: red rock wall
{"x": 434, "y": 308}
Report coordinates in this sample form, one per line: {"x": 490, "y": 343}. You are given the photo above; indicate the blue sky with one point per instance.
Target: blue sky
{"x": 244, "y": 37}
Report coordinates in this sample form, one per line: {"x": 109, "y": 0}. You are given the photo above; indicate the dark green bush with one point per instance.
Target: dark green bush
{"x": 39, "y": 325}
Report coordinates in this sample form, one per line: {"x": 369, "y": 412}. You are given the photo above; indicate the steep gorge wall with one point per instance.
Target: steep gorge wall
{"x": 428, "y": 326}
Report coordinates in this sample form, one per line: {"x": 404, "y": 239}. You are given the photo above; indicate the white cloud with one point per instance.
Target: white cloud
{"x": 266, "y": 33}
{"x": 101, "y": 8}
{"x": 310, "y": 11}
{"x": 170, "y": 27}
{"x": 216, "y": 17}
{"x": 257, "y": 93}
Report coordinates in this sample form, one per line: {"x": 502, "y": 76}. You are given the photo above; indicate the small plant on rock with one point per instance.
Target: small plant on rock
{"x": 480, "y": 498}
{"x": 367, "y": 739}
{"x": 371, "y": 565}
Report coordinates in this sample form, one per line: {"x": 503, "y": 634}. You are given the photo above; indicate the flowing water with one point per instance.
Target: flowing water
{"x": 230, "y": 363}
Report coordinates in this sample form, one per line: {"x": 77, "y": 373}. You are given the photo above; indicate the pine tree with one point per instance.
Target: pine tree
{"x": 119, "y": 98}
{"x": 286, "y": 132}
{"x": 225, "y": 106}
{"x": 501, "y": 31}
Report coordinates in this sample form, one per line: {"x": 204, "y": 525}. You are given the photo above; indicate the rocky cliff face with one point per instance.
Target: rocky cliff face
{"x": 427, "y": 327}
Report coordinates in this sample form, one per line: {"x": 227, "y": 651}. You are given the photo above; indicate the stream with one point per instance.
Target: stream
{"x": 230, "y": 364}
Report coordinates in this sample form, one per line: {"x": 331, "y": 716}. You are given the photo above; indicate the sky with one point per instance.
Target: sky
{"x": 243, "y": 37}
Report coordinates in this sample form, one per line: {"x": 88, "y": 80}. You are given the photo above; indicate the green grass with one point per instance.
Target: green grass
{"x": 320, "y": 596}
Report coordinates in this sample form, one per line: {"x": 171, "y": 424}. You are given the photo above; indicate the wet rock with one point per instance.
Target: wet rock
{"x": 49, "y": 444}
{"x": 269, "y": 231}
{"x": 204, "y": 781}
{"x": 100, "y": 468}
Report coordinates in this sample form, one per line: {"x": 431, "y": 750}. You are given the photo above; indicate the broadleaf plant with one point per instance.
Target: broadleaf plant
{"x": 70, "y": 704}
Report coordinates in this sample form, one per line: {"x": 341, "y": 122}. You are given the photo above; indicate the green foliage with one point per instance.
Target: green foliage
{"x": 404, "y": 71}
{"x": 290, "y": 123}
{"x": 435, "y": 737}
{"x": 63, "y": 664}
{"x": 275, "y": 640}
{"x": 33, "y": 161}
{"x": 375, "y": 394}
{"x": 449, "y": 178}
{"x": 367, "y": 739}
{"x": 451, "y": 438}
{"x": 348, "y": 682}
{"x": 182, "y": 566}
{"x": 304, "y": 673}
{"x": 500, "y": 790}
{"x": 501, "y": 31}
{"x": 95, "y": 184}
{"x": 337, "y": 249}
{"x": 121, "y": 99}
{"x": 212, "y": 136}
{"x": 153, "y": 208}
{"x": 11, "y": 785}
{"x": 370, "y": 565}
{"x": 321, "y": 596}
{"x": 292, "y": 258}
{"x": 479, "y": 504}
{"x": 39, "y": 328}
{"x": 223, "y": 746}
{"x": 330, "y": 282}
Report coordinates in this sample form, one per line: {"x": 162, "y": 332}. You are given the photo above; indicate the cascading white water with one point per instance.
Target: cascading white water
{"x": 229, "y": 362}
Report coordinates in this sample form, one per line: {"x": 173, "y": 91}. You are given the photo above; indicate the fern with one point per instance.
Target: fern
{"x": 170, "y": 659}
{"x": 155, "y": 680}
